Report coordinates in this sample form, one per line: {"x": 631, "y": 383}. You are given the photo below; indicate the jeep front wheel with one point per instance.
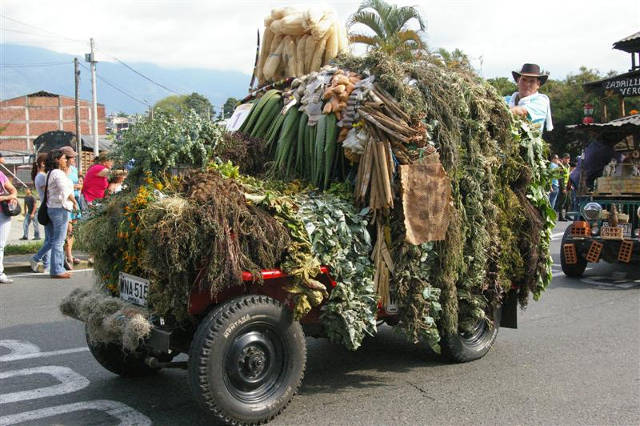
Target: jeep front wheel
{"x": 247, "y": 360}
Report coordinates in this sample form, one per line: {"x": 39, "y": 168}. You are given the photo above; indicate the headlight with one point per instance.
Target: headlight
{"x": 591, "y": 211}
{"x": 636, "y": 233}
{"x": 595, "y": 230}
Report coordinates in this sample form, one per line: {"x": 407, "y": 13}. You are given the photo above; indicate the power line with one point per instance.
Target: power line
{"x": 40, "y": 29}
{"x": 83, "y": 42}
{"x": 116, "y": 87}
{"x": 35, "y": 64}
{"x": 144, "y": 76}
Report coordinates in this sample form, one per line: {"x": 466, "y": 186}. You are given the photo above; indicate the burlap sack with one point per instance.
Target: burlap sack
{"x": 426, "y": 196}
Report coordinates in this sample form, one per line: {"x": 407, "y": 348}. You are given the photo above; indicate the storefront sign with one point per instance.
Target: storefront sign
{"x": 625, "y": 86}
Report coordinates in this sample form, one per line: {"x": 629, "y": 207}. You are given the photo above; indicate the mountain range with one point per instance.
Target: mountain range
{"x": 27, "y": 69}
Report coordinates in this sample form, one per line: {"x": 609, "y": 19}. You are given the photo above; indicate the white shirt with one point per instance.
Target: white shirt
{"x": 40, "y": 181}
{"x": 60, "y": 187}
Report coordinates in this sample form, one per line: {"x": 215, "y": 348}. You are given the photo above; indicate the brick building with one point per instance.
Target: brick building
{"x": 24, "y": 118}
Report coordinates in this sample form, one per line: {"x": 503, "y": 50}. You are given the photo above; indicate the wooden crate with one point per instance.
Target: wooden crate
{"x": 618, "y": 185}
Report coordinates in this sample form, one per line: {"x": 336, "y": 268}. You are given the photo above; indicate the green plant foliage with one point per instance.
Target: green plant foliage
{"x": 339, "y": 237}
{"x": 157, "y": 145}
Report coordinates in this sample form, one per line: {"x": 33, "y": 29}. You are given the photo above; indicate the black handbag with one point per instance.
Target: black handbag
{"x": 11, "y": 207}
{"x": 43, "y": 213}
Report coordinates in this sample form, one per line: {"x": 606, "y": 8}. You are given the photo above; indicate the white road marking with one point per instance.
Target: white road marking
{"x": 38, "y": 274}
{"x": 17, "y": 357}
{"x": 124, "y": 413}
{"x": 17, "y": 348}
{"x": 70, "y": 381}
{"x": 25, "y": 350}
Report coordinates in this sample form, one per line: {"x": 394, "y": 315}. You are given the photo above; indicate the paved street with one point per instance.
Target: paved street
{"x": 575, "y": 359}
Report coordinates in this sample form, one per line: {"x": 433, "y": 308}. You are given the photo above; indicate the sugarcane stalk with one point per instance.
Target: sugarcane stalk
{"x": 385, "y": 129}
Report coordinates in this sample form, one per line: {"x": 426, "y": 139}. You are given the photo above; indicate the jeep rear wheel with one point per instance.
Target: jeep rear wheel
{"x": 247, "y": 360}
{"x": 574, "y": 270}
{"x": 475, "y": 342}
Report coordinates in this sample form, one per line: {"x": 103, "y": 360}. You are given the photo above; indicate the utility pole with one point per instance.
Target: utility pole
{"x": 90, "y": 57}
{"x": 78, "y": 135}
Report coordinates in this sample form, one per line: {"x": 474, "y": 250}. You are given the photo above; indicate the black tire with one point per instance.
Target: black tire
{"x": 472, "y": 345}
{"x": 120, "y": 361}
{"x": 574, "y": 270}
{"x": 247, "y": 360}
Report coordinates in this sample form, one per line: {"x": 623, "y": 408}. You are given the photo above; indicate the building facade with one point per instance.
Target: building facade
{"x": 24, "y": 118}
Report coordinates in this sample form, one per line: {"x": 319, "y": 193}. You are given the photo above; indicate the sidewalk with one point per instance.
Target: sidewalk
{"x": 19, "y": 263}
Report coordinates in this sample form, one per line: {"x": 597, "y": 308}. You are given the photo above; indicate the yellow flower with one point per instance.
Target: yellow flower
{"x": 159, "y": 186}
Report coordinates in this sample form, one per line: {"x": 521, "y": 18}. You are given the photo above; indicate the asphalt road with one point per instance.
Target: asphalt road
{"x": 575, "y": 359}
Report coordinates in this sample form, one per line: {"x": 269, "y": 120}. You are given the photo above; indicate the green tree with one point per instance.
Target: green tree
{"x": 200, "y": 105}
{"x": 456, "y": 59}
{"x": 568, "y": 97}
{"x": 389, "y": 24}
{"x": 503, "y": 85}
{"x": 229, "y": 106}
{"x": 179, "y": 105}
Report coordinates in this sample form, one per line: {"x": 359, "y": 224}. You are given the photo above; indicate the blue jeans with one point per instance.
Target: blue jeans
{"x": 55, "y": 233}
{"x": 45, "y": 251}
{"x": 36, "y": 226}
{"x": 553, "y": 196}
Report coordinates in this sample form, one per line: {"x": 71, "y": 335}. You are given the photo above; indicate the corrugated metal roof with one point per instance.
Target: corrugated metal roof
{"x": 629, "y": 44}
{"x": 631, "y": 120}
{"x": 42, "y": 94}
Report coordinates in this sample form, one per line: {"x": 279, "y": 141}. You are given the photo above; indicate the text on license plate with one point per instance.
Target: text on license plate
{"x": 134, "y": 289}
{"x": 626, "y": 228}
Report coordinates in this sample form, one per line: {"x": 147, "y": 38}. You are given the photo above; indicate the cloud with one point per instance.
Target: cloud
{"x": 498, "y": 35}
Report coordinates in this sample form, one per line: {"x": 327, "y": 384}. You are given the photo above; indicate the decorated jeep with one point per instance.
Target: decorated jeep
{"x": 363, "y": 191}
{"x": 608, "y": 199}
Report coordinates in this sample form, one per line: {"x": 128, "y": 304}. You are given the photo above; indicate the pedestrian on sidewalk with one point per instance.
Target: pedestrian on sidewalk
{"x": 30, "y": 208}
{"x": 8, "y": 192}
{"x": 40, "y": 262}
{"x": 72, "y": 174}
{"x": 60, "y": 203}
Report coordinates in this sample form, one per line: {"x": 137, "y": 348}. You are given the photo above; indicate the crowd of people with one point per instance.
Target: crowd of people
{"x": 63, "y": 195}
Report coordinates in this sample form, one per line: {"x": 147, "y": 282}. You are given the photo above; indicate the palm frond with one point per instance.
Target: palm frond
{"x": 401, "y": 16}
{"x": 381, "y": 7}
{"x": 369, "y": 19}
{"x": 410, "y": 35}
{"x": 361, "y": 38}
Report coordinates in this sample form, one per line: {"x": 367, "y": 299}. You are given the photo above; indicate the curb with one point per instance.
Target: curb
{"x": 22, "y": 267}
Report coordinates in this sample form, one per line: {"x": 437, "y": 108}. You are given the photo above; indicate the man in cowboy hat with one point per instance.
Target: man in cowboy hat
{"x": 527, "y": 102}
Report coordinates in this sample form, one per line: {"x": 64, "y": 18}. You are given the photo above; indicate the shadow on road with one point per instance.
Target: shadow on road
{"x": 332, "y": 368}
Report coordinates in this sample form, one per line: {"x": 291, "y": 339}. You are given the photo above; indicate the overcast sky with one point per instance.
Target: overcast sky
{"x": 560, "y": 35}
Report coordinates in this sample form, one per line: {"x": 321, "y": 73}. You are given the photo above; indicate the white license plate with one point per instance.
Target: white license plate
{"x": 626, "y": 228}
{"x": 134, "y": 289}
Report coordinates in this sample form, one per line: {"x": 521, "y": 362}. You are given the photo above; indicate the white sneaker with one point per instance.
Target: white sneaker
{"x": 4, "y": 279}
{"x": 36, "y": 266}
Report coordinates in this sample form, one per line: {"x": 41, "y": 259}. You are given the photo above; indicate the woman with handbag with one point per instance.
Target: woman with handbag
{"x": 60, "y": 202}
{"x": 7, "y": 193}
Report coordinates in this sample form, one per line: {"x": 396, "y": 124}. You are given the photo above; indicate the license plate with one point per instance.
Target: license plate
{"x": 134, "y": 289}
{"x": 626, "y": 228}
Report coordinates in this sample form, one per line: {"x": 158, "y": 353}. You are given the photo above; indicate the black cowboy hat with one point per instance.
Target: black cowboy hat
{"x": 531, "y": 70}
